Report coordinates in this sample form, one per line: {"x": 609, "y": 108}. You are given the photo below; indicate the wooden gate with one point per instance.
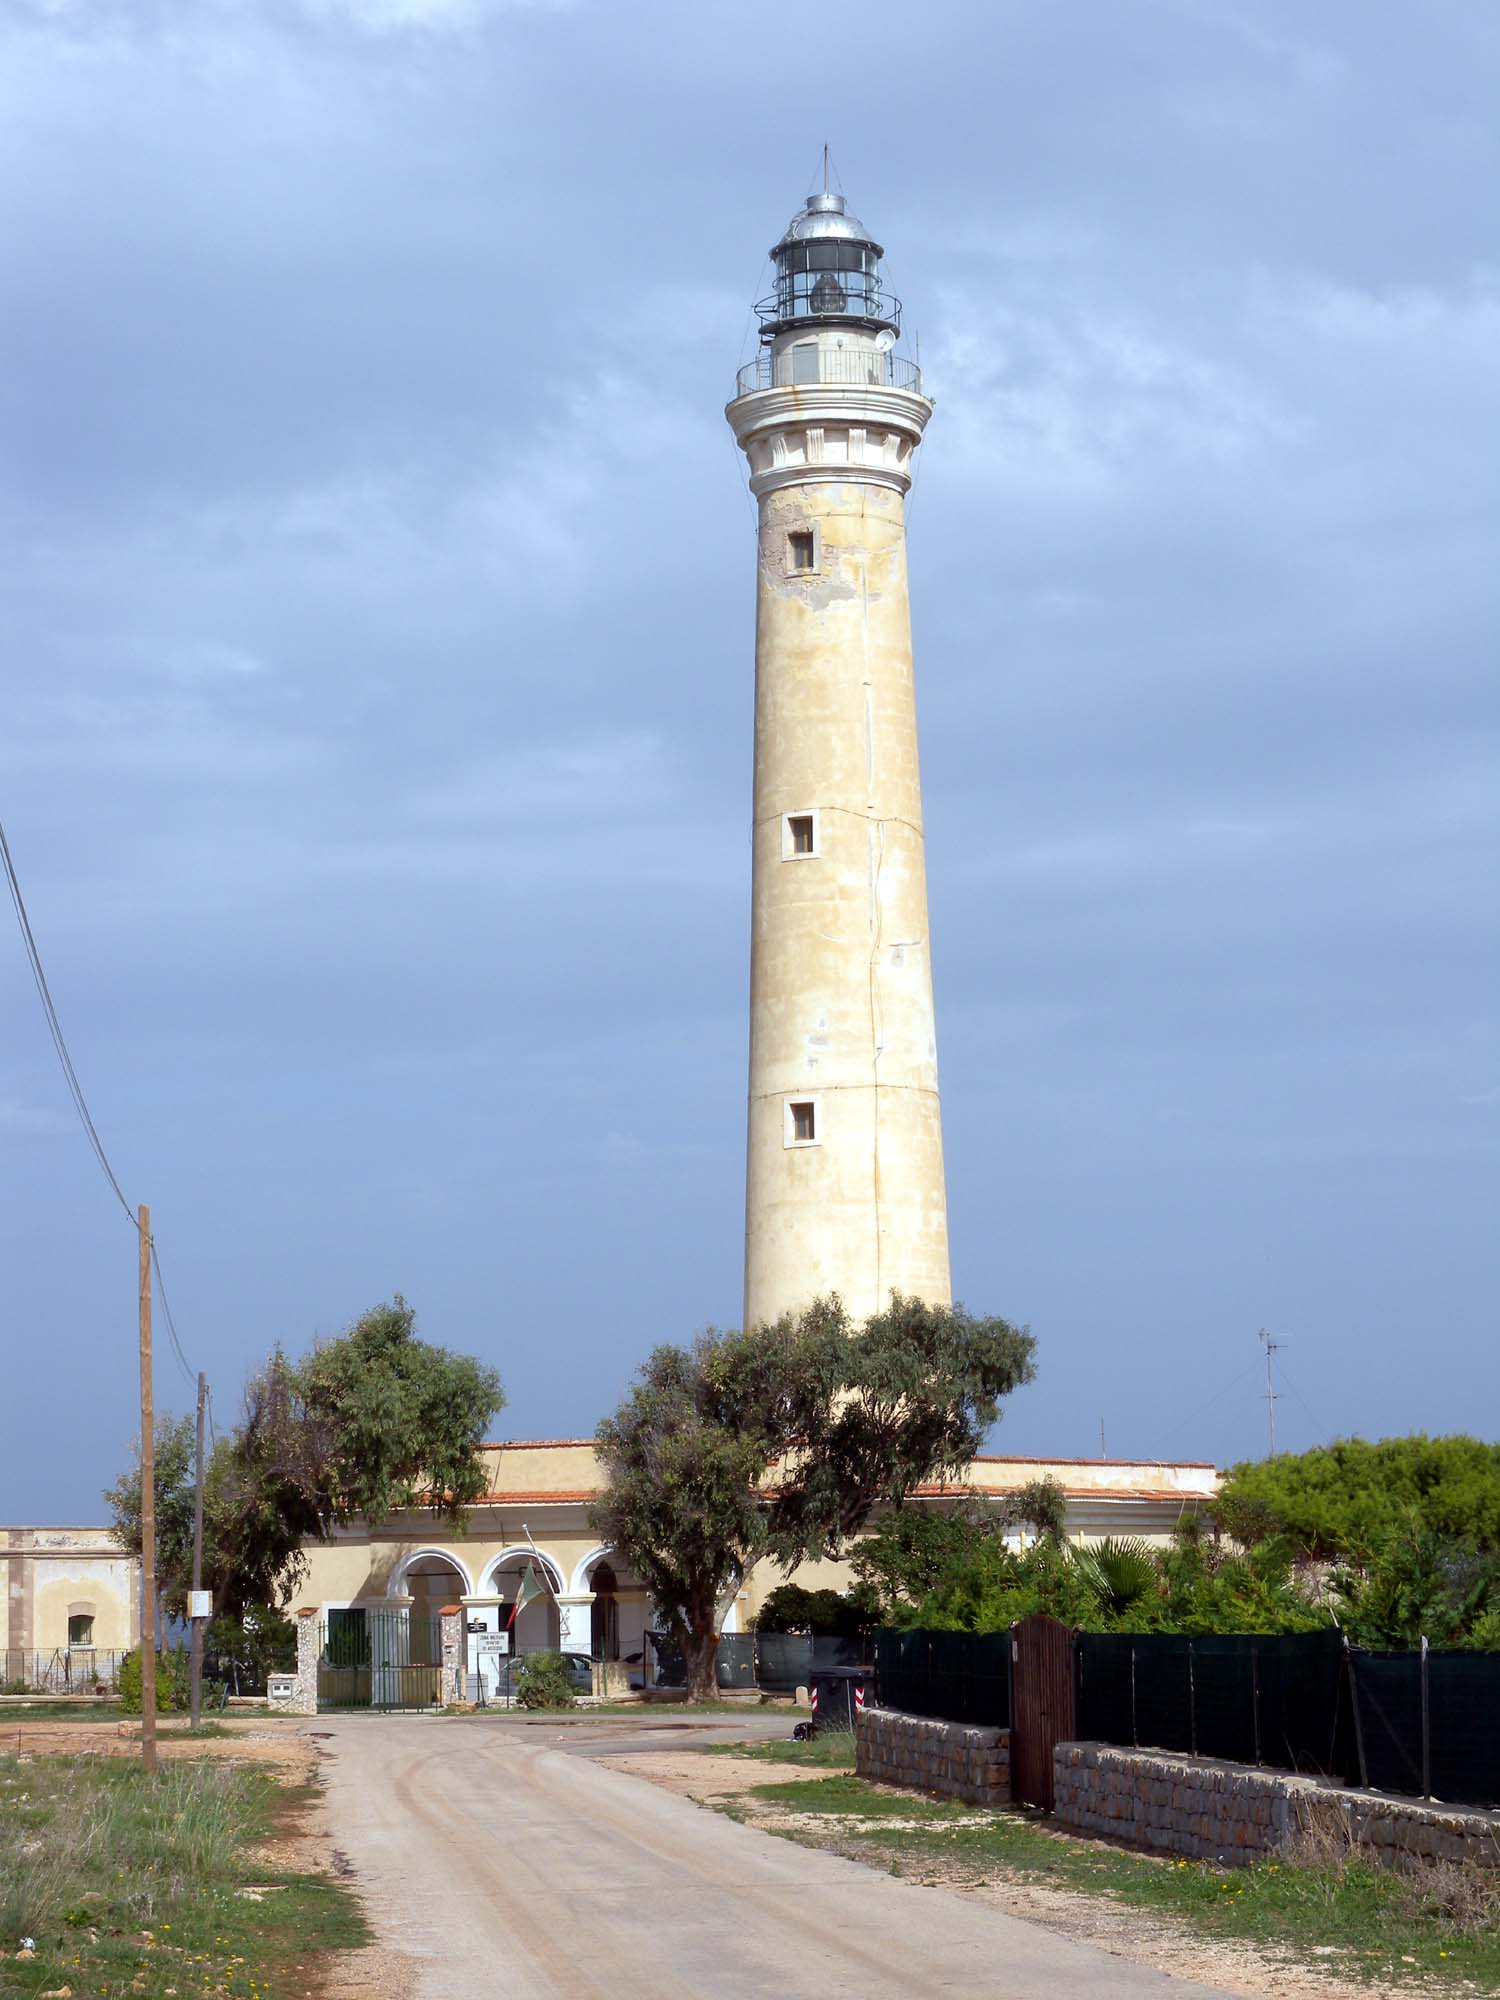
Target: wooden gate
{"x": 1041, "y": 1704}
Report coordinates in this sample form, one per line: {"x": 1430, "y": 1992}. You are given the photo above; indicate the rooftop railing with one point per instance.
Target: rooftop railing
{"x": 809, "y": 367}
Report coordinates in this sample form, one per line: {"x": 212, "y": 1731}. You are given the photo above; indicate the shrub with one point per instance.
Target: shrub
{"x": 841, "y": 1614}
{"x": 543, "y": 1682}
{"x": 172, "y": 1689}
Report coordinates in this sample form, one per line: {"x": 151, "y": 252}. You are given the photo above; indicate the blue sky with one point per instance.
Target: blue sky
{"x": 378, "y": 684}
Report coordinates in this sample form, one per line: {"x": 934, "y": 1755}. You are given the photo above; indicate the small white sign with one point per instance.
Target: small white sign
{"x": 489, "y": 1645}
{"x": 200, "y": 1604}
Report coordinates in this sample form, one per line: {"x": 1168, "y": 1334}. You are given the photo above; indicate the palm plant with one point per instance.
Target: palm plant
{"x": 1119, "y": 1571}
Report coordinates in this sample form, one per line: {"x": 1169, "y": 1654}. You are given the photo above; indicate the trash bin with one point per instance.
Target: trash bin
{"x": 838, "y": 1694}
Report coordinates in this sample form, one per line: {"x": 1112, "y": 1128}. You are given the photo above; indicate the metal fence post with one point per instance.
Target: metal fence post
{"x": 1359, "y": 1727}
{"x": 1135, "y": 1732}
{"x": 1255, "y": 1696}
{"x": 1192, "y": 1703}
{"x": 1426, "y": 1727}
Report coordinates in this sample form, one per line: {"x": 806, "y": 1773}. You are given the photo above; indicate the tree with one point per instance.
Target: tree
{"x": 1417, "y": 1583}
{"x": 403, "y": 1420}
{"x": 367, "y": 1424}
{"x": 910, "y": 1550}
{"x": 1346, "y": 1499}
{"x": 1117, "y": 1586}
{"x": 1042, "y": 1506}
{"x": 780, "y": 1441}
{"x": 176, "y": 1448}
{"x": 823, "y": 1613}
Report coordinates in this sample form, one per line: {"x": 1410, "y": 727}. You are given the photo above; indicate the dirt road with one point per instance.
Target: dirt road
{"x": 516, "y": 1862}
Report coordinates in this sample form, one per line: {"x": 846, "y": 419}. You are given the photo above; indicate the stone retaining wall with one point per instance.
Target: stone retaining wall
{"x": 1235, "y": 1813}
{"x": 953, "y": 1759}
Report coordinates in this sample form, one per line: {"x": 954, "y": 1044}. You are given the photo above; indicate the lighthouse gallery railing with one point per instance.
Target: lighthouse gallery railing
{"x": 807, "y": 366}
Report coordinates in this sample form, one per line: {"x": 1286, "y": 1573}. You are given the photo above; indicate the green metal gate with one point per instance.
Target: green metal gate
{"x": 375, "y": 1657}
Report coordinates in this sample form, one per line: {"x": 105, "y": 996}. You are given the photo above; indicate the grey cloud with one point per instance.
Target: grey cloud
{"x": 378, "y": 691}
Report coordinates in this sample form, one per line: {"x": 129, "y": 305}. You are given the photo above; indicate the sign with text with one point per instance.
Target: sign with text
{"x": 492, "y": 1645}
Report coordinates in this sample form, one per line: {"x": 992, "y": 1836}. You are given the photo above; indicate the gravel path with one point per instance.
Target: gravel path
{"x": 496, "y": 1861}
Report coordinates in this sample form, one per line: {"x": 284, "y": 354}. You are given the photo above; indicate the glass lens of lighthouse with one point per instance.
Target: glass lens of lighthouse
{"x": 815, "y": 280}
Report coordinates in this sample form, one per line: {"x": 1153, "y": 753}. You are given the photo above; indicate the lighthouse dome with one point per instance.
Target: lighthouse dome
{"x": 826, "y": 216}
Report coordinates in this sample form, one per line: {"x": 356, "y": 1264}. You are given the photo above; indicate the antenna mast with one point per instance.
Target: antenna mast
{"x": 1271, "y": 1397}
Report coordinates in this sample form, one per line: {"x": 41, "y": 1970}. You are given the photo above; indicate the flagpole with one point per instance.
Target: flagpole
{"x": 546, "y": 1583}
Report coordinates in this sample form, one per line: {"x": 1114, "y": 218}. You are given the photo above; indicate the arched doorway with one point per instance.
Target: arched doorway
{"x": 604, "y": 1614}
{"x": 621, "y": 1610}
{"x": 430, "y": 1580}
{"x": 536, "y": 1627}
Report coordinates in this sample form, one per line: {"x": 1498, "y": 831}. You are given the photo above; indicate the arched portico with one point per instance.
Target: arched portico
{"x": 434, "y": 1564}
{"x": 537, "y": 1627}
{"x": 428, "y": 1579}
{"x": 616, "y": 1604}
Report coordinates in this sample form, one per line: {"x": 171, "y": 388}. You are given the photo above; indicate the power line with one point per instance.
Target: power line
{"x": 75, "y": 1088}
{"x": 54, "y": 1028}
{"x": 161, "y": 1286}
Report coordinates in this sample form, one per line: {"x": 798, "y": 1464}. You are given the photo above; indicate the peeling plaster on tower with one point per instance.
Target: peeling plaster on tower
{"x": 844, "y": 1180}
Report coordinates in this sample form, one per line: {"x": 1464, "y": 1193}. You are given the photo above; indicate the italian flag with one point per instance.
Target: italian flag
{"x": 530, "y": 1589}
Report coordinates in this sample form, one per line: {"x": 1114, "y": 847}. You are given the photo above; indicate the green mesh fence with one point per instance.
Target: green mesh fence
{"x": 1277, "y": 1699}
{"x": 1429, "y": 1728}
{"x": 956, "y": 1676}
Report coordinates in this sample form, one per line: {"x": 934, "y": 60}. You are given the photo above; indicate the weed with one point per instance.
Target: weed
{"x": 831, "y": 1752}
{"x": 1320, "y": 1901}
{"x": 130, "y": 1883}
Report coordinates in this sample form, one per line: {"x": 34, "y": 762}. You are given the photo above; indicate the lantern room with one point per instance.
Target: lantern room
{"x": 827, "y": 272}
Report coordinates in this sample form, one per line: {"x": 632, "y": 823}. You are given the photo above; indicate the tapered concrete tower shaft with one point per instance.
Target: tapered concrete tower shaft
{"x": 844, "y": 1187}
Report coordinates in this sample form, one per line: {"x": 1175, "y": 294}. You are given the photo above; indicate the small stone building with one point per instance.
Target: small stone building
{"x": 70, "y": 1605}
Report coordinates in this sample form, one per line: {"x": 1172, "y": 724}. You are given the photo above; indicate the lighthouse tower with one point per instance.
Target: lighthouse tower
{"x": 844, "y": 1183}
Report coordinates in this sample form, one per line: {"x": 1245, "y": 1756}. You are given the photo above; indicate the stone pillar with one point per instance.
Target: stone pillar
{"x": 303, "y": 1694}
{"x": 455, "y": 1687}
{"x": 575, "y": 1622}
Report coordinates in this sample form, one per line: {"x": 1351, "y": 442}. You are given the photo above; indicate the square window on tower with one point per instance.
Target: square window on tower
{"x": 799, "y": 836}
{"x": 802, "y": 1121}
{"x": 802, "y": 551}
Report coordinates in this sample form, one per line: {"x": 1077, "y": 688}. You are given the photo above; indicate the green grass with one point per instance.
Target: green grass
{"x": 137, "y": 1885}
{"x": 823, "y": 1753}
{"x": 42, "y": 1710}
{"x": 852, "y": 1798}
{"x": 1376, "y": 1919}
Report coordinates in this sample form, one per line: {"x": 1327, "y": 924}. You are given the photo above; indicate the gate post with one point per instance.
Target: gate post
{"x": 454, "y": 1688}
{"x": 309, "y": 1647}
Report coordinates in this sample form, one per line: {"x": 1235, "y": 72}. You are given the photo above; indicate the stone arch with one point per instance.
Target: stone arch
{"x": 517, "y": 1557}
{"x": 584, "y": 1568}
{"x": 432, "y": 1579}
{"x": 398, "y": 1586}
{"x": 537, "y": 1628}
{"x": 617, "y": 1620}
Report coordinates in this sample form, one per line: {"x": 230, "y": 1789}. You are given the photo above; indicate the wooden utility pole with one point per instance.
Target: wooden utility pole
{"x": 148, "y": 1505}
{"x": 195, "y": 1702}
